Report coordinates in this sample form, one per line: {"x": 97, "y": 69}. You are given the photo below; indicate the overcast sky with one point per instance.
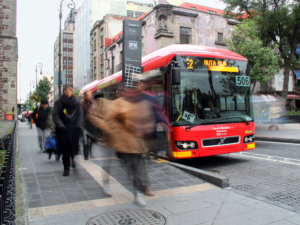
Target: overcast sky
{"x": 37, "y": 29}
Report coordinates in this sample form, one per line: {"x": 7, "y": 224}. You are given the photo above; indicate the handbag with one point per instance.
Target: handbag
{"x": 36, "y": 115}
{"x": 51, "y": 142}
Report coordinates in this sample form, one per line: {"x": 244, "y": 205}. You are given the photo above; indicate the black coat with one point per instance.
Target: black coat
{"x": 67, "y": 116}
{"x": 42, "y": 116}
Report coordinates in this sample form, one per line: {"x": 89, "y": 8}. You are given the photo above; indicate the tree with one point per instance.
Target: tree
{"x": 76, "y": 92}
{"x": 28, "y": 105}
{"x": 279, "y": 23}
{"x": 35, "y": 98}
{"x": 263, "y": 61}
{"x": 43, "y": 88}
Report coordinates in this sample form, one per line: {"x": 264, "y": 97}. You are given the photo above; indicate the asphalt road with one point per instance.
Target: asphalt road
{"x": 271, "y": 172}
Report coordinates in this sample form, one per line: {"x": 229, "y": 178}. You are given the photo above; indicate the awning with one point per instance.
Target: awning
{"x": 263, "y": 98}
{"x": 88, "y": 87}
{"x": 293, "y": 96}
{"x": 297, "y": 73}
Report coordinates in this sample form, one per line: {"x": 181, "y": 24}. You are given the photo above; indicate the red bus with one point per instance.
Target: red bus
{"x": 208, "y": 102}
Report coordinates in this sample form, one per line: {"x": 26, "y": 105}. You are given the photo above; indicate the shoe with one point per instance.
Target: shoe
{"x": 86, "y": 158}
{"x": 44, "y": 151}
{"x": 73, "y": 163}
{"x": 106, "y": 190}
{"x": 148, "y": 192}
{"x": 66, "y": 173}
{"x": 138, "y": 200}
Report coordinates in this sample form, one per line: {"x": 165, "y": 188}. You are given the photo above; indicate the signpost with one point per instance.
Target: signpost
{"x": 132, "y": 52}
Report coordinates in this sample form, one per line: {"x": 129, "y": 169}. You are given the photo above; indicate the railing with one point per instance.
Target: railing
{"x": 8, "y": 183}
{"x": 118, "y": 67}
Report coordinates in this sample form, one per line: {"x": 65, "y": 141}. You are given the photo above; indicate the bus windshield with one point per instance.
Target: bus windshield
{"x": 211, "y": 89}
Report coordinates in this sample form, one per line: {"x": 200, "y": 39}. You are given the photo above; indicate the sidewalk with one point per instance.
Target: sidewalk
{"x": 287, "y": 133}
{"x": 180, "y": 198}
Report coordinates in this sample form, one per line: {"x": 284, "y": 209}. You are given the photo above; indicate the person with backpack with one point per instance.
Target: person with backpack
{"x": 40, "y": 116}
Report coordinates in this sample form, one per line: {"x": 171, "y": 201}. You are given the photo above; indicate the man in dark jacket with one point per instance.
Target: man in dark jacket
{"x": 40, "y": 116}
{"x": 67, "y": 116}
{"x": 86, "y": 126}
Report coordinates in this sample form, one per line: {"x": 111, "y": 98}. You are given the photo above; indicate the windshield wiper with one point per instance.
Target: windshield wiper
{"x": 225, "y": 118}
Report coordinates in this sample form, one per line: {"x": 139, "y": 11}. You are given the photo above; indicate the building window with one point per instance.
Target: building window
{"x": 70, "y": 45}
{"x": 185, "y": 35}
{"x": 71, "y": 36}
{"x": 70, "y": 54}
{"x": 101, "y": 58}
{"x": 65, "y": 45}
{"x": 65, "y": 36}
{"x": 220, "y": 37}
{"x": 212, "y": 12}
{"x": 102, "y": 69}
{"x": 95, "y": 45}
{"x": 130, "y": 13}
{"x": 70, "y": 71}
{"x": 70, "y": 63}
{"x": 101, "y": 40}
{"x": 95, "y": 62}
{"x": 138, "y": 14}
{"x": 193, "y": 7}
{"x": 65, "y": 62}
{"x": 65, "y": 53}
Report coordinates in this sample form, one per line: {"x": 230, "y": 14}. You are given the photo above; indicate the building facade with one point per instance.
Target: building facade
{"x": 168, "y": 24}
{"x": 90, "y": 12}
{"x": 9, "y": 57}
{"x": 67, "y": 51}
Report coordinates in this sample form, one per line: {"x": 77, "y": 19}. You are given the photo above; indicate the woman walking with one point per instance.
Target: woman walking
{"x": 67, "y": 116}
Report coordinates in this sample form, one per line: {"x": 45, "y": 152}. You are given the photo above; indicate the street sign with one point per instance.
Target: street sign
{"x": 132, "y": 51}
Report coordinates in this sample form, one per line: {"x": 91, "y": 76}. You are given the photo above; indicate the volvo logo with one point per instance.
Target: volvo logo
{"x": 221, "y": 141}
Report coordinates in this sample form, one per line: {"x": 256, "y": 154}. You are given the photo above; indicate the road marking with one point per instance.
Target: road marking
{"x": 269, "y": 158}
{"x": 273, "y": 142}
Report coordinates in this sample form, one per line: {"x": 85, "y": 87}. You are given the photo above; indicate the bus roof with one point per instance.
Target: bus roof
{"x": 163, "y": 56}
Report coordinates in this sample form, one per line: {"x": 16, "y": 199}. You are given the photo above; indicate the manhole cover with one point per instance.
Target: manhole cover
{"x": 128, "y": 217}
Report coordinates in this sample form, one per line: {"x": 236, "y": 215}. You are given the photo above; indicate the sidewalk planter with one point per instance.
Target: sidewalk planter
{"x": 8, "y": 116}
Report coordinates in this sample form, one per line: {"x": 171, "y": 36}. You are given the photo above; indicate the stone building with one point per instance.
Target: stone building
{"x": 168, "y": 24}
{"x": 8, "y": 57}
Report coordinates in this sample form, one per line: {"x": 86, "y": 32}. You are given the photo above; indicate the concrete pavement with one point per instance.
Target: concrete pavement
{"x": 180, "y": 198}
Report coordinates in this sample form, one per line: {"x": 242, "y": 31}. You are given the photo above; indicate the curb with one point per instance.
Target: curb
{"x": 216, "y": 179}
{"x": 284, "y": 140}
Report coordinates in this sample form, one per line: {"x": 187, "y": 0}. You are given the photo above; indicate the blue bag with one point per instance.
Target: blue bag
{"x": 50, "y": 142}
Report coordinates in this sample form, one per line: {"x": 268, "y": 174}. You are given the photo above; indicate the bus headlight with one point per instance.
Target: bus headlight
{"x": 183, "y": 145}
{"x": 249, "y": 138}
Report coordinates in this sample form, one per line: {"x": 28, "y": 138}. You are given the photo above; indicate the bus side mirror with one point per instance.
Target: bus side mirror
{"x": 175, "y": 76}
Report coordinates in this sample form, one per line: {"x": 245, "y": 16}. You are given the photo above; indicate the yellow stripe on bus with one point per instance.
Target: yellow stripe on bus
{"x": 251, "y": 146}
{"x": 223, "y": 69}
{"x": 182, "y": 154}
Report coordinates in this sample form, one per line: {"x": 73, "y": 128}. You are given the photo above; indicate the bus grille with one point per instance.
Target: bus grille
{"x": 220, "y": 141}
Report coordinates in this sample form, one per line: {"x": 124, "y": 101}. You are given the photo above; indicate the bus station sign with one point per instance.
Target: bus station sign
{"x": 132, "y": 50}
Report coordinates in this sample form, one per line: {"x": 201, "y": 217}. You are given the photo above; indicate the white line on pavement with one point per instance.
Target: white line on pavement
{"x": 283, "y": 143}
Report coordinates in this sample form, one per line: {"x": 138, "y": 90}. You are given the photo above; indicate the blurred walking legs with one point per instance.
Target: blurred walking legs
{"x": 85, "y": 145}
{"x": 42, "y": 135}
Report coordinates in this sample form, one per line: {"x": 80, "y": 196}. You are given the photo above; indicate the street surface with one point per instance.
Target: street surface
{"x": 270, "y": 173}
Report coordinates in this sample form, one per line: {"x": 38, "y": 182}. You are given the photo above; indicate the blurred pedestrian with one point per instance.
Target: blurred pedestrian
{"x": 67, "y": 116}
{"x": 125, "y": 121}
{"x": 275, "y": 113}
{"x": 87, "y": 128}
{"x": 27, "y": 117}
{"x": 40, "y": 115}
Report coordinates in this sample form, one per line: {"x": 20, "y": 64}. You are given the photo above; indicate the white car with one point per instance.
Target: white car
{"x": 20, "y": 117}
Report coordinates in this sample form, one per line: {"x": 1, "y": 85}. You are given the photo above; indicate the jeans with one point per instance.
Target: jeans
{"x": 42, "y": 135}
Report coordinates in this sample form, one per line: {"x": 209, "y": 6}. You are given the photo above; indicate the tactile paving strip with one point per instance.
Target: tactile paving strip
{"x": 129, "y": 216}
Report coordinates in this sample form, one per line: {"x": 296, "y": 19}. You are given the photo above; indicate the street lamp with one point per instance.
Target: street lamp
{"x": 72, "y": 7}
{"x": 41, "y": 66}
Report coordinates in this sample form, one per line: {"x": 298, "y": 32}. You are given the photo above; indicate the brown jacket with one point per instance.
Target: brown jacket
{"x": 123, "y": 123}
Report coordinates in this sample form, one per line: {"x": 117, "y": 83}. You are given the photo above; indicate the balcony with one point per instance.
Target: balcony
{"x": 118, "y": 67}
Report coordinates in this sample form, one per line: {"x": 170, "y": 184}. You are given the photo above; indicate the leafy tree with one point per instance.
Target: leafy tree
{"x": 279, "y": 23}
{"x": 28, "y": 105}
{"x": 76, "y": 92}
{"x": 43, "y": 88}
{"x": 263, "y": 61}
{"x": 35, "y": 98}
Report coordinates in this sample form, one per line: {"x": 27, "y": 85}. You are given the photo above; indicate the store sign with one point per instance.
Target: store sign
{"x": 132, "y": 50}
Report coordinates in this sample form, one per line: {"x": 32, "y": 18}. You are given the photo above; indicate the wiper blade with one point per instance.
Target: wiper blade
{"x": 225, "y": 118}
